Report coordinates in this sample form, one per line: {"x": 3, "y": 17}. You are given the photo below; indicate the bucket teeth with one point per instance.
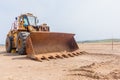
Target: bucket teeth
{"x": 71, "y": 55}
{"x": 74, "y": 54}
{"x": 52, "y": 57}
{"x": 64, "y": 55}
{"x": 58, "y": 56}
{"x": 44, "y": 58}
{"x": 78, "y": 53}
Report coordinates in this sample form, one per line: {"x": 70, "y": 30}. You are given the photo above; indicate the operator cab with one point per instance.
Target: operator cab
{"x": 29, "y": 21}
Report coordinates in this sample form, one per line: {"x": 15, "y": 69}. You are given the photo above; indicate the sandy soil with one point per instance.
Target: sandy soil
{"x": 101, "y": 62}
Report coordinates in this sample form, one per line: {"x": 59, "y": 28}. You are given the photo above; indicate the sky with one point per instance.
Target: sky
{"x": 88, "y": 19}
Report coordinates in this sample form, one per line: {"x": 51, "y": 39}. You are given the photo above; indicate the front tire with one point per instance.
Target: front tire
{"x": 21, "y": 42}
{"x": 8, "y": 44}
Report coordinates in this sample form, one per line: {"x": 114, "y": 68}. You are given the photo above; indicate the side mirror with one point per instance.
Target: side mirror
{"x": 15, "y": 18}
{"x": 37, "y": 21}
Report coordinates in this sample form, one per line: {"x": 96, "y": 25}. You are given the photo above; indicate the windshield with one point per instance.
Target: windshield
{"x": 32, "y": 20}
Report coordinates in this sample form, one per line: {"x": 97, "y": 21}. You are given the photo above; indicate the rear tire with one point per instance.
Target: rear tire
{"x": 8, "y": 44}
{"x": 21, "y": 42}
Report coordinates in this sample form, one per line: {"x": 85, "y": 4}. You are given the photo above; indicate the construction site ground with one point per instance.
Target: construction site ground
{"x": 100, "y": 61}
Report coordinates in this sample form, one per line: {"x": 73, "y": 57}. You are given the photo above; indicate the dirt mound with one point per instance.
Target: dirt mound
{"x": 103, "y": 70}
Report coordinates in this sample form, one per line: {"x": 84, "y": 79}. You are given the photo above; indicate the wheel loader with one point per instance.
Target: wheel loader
{"x": 37, "y": 42}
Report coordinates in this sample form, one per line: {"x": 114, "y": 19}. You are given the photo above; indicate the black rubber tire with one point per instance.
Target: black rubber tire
{"x": 8, "y": 44}
{"x": 21, "y": 42}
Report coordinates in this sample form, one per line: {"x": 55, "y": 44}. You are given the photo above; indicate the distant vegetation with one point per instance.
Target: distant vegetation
{"x": 99, "y": 41}
{"x": 1, "y": 44}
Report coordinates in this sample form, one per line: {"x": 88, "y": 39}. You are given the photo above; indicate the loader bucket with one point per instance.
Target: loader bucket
{"x": 49, "y": 44}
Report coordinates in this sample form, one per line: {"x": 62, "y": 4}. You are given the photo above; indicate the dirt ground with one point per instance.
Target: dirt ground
{"x": 102, "y": 61}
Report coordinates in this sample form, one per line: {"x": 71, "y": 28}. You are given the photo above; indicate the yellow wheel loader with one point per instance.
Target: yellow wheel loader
{"x": 37, "y": 42}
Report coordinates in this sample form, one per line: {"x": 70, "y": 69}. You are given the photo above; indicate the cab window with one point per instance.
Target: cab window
{"x": 25, "y": 22}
